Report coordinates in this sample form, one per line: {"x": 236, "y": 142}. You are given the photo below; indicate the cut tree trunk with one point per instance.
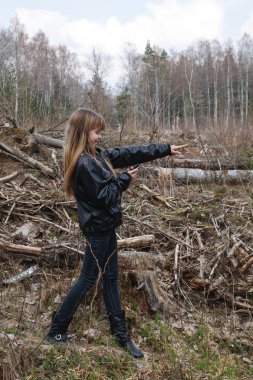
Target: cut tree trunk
{"x": 157, "y": 298}
{"x": 8, "y": 247}
{"x": 140, "y": 260}
{"x": 185, "y": 175}
{"x": 136, "y": 242}
{"x": 49, "y": 141}
{"x": 212, "y": 164}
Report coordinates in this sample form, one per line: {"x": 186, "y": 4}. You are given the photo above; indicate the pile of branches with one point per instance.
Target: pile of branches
{"x": 177, "y": 241}
{"x": 207, "y": 243}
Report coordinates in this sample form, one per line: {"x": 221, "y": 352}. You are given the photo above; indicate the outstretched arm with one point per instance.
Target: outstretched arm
{"x": 124, "y": 156}
{"x": 131, "y": 155}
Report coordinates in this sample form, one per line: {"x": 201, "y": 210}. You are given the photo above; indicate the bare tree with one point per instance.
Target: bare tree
{"x": 131, "y": 62}
{"x": 98, "y": 65}
{"x": 245, "y": 62}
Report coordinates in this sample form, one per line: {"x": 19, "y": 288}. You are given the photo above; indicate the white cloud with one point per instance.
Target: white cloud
{"x": 52, "y": 23}
{"x": 179, "y": 24}
{"x": 247, "y": 27}
{"x": 171, "y": 24}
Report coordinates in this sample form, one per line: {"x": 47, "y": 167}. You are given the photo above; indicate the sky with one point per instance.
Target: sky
{"x": 108, "y": 25}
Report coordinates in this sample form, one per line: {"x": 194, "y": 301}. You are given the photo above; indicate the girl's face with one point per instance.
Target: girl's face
{"x": 94, "y": 136}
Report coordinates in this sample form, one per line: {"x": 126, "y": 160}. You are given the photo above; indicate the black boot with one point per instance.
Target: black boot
{"x": 119, "y": 330}
{"x": 58, "y": 330}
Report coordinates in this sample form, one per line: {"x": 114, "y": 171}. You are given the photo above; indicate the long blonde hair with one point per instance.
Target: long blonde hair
{"x": 81, "y": 122}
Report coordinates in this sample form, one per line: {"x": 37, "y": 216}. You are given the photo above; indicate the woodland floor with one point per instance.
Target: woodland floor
{"x": 201, "y": 326}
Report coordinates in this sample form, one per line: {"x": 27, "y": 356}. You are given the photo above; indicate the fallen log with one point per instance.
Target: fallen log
{"x": 185, "y": 175}
{"x": 49, "y": 141}
{"x": 212, "y": 164}
{"x": 8, "y": 247}
{"x": 136, "y": 242}
{"x": 40, "y": 138}
{"x": 31, "y": 161}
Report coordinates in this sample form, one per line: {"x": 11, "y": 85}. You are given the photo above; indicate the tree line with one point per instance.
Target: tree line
{"x": 208, "y": 84}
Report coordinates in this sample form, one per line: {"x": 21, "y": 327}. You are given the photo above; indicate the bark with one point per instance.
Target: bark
{"x": 9, "y": 177}
{"x": 21, "y": 276}
{"x": 135, "y": 242}
{"x": 151, "y": 288}
{"x": 7, "y": 247}
{"x": 215, "y": 94}
{"x": 213, "y": 164}
{"x": 49, "y": 141}
{"x": 185, "y": 175}
{"x": 247, "y": 92}
{"x": 189, "y": 78}
{"x": 228, "y": 91}
{"x": 141, "y": 260}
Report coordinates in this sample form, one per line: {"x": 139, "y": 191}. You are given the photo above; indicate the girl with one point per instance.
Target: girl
{"x": 90, "y": 177}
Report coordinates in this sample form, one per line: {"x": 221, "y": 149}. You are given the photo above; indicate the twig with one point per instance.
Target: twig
{"x": 42, "y": 220}
{"x": 9, "y": 177}
{"x": 158, "y": 230}
{"x": 215, "y": 224}
{"x": 218, "y": 260}
{"x": 21, "y": 313}
{"x": 34, "y": 179}
{"x": 243, "y": 305}
{"x": 201, "y": 266}
{"x": 21, "y": 276}
{"x": 156, "y": 196}
{"x": 246, "y": 248}
{"x": 64, "y": 246}
{"x": 9, "y": 213}
{"x": 175, "y": 268}
{"x": 199, "y": 240}
{"x": 14, "y": 157}
{"x": 246, "y": 265}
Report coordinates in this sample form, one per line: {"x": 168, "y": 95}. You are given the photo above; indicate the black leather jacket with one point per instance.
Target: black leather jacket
{"x": 98, "y": 191}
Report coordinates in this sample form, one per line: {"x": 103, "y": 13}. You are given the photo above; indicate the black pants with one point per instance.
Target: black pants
{"x": 100, "y": 262}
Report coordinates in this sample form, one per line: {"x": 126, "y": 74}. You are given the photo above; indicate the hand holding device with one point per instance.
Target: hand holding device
{"x": 133, "y": 171}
